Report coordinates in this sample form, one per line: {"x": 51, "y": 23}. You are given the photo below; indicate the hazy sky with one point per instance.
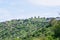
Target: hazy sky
{"x": 15, "y": 9}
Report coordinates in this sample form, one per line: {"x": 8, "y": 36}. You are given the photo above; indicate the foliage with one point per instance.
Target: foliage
{"x": 30, "y": 29}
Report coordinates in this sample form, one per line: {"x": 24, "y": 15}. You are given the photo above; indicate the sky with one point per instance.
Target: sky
{"x": 21, "y": 9}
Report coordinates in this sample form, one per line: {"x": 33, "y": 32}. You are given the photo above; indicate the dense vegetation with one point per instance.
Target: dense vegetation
{"x": 30, "y": 29}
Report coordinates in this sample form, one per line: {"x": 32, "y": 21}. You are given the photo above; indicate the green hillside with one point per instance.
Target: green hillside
{"x": 30, "y": 29}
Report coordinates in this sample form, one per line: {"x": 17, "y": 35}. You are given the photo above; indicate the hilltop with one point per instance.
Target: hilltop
{"x": 31, "y": 28}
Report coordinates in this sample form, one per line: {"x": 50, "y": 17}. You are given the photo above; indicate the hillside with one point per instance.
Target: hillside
{"x": 30, "y": 29}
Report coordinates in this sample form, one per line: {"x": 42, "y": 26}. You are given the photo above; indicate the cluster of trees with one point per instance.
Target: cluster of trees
{"x": 30, "y": 29}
